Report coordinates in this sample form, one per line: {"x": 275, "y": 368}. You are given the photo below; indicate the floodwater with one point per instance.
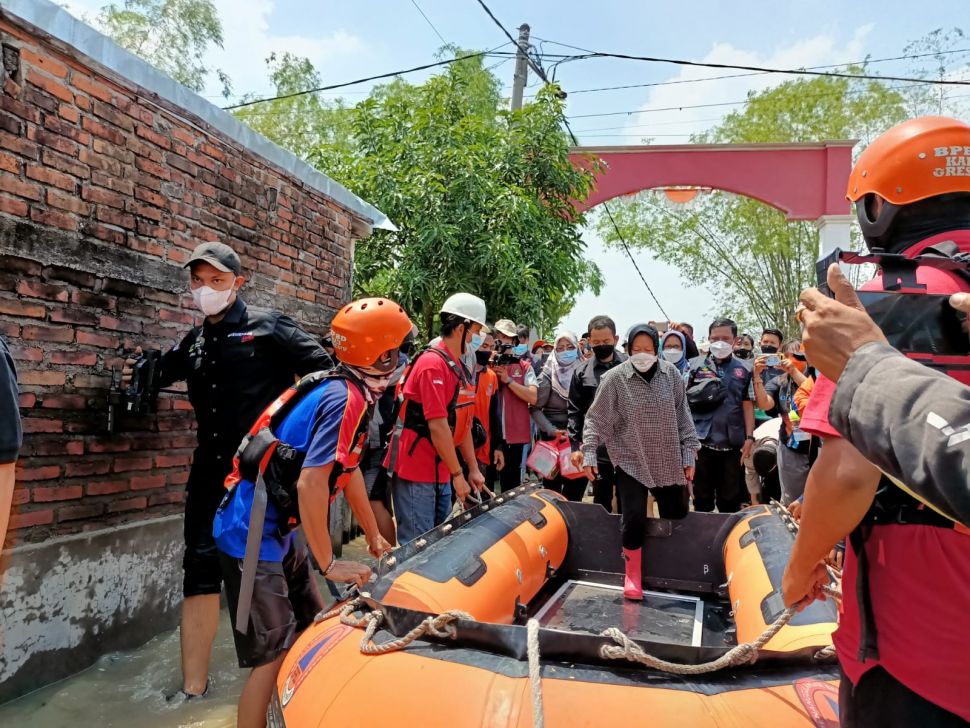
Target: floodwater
{"x": 123, "y": 689}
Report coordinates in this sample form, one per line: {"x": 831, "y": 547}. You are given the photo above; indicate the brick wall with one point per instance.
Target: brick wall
{"x": 104, "y": 190}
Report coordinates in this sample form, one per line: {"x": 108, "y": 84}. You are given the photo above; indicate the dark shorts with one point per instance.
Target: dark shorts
{"x": 375, "y": 477}
{"x": 200, "y": 565}
{"x": 285, "y": 601}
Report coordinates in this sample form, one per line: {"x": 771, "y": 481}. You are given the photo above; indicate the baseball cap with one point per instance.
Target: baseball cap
{"x": 218, "y": 255}
{"x": 506, "y": 327}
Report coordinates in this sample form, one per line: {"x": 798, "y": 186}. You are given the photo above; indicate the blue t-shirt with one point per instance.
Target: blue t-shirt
{"x": 322, "y": 425}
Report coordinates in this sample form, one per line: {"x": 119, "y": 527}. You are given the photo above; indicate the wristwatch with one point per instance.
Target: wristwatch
{"x": 749, "y": 437}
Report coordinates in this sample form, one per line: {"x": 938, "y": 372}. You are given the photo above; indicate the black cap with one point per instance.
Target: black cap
{"x": 218, "y": 255}
{"x": 647, "y": 329}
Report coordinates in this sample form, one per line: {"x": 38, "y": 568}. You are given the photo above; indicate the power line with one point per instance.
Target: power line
{"x": 542, "y": 74}
{"x": 391, "y": 74}
{"x": 428, "y": 21}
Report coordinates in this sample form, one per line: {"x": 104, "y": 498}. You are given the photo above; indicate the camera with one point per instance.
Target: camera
{"x": 505, "y": 355}
{"x": 141, "y": 395}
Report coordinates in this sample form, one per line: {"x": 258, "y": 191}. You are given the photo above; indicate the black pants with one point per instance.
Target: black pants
{"x": 205, "y": 490}
{"x": 573, "y": 489}
{"x": 605, "y": 486}
{"x": 881, "y": 701}
{"x": 671, "y": 502}
{"x": 719, "y": 480}
{"x": 511, "y": 475}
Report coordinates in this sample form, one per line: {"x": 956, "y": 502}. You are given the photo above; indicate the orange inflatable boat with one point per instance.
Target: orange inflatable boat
{"x": 531, "y": 565}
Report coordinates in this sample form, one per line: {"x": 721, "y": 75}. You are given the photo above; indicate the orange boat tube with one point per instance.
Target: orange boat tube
{"x": 712, "y": 581}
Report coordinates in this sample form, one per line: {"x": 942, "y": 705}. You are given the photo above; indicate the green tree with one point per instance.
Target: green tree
{"x": 301, "y": 123}
{"x": 172, "y": 35}
{"x": 758, "y": 261}
{"x": 482, "y": 198}
{"x": 942, "y": 55}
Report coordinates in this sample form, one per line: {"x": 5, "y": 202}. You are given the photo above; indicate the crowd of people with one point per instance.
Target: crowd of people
{"x": 652, "y": 422}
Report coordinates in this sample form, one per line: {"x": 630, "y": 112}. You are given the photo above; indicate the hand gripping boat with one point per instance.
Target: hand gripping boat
{"x": 530, "y": 577}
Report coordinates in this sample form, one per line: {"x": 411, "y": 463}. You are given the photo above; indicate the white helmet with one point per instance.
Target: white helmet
{"x": 467, "y": 306}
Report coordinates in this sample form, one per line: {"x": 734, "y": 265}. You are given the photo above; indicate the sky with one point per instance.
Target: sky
{"x": 351, "y": 40}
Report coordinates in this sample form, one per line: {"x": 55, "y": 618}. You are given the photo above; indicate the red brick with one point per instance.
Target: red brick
{"x": 128, "y": 504}
{"x": 76, "y": 513}
{"x": 30, "y": 353}
{"x": 69, "y": 275}
{"x": 22, "y": 309}
{"x": 180, "y": 477}
{"x": 31, "y": 518}
{"x": 103, "y": 131}
{"x": 65, "y": 401}
{"x": 65, "y": 164}
{"x": 50, "y": 85}
{"x": 181, "y": 317}
{"x": 146, "y": 482}
{"x": 86, "y": 468}
{"x": 50, "y": 177}
{"x": 59, "y": 334}
{"x": 20, "y": 496}
{"x": 154, "y": 137}
{"x": 19, "y": 145}
{"x": 46, "y": 472}
{"x": 44, "y": 62}
{"x": 37, "y": 424}
{"x": 146, "y": 245}
{"x": 57, "y": 493}
{"x": 153, "y": 198}
{"x": 127, "y": 464}
{"x": 158, "y": 499}
{"x": 115, "y": 184}
{"x": 62, "y": 128}
{"x": 94, "y": 339}
{"x": 114, "y": 217}
{"x": 184, "y": 136}
{"x": 49, "y": 379}
{"x": 74, "y": 447}
{"x": 36, "y": 289}
{"x": 152, "y": 168}
{"x": 25, "y": 266}
{"x": 9, "y": 183}
{"x": 112, "y": 115}
{"x": 100, "y": 160}
{"x": 54, "y": 141}
{"x": 113, "y": 324}
{"x": 53, "y": 219}
{"x": 101, "y": 196}
{"x": 106, "y": 487}
{"x": 103, "y": 232}
{"x": 67, "y": 202}
{"x": 214, "y": 152}
{"x": 11, "y": 206}
{"x": 95, "y": 300}
{"x": 74, "y": 316}
{"x": 9, "y": 164}
{"x": 68, "y": 113}
{"x": 88, "y": 86}
{"x": 27, "y": 400}
{"x": 79, "y": 358}
{"x": 91, "y": 381}
{"x": 171, "y": 461}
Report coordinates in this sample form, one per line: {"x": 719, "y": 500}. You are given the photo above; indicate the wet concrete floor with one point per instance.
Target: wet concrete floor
{"x": 125, "y": 689}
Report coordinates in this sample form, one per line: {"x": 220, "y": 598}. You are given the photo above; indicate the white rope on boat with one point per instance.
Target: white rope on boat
{"x": 535, "y": 672}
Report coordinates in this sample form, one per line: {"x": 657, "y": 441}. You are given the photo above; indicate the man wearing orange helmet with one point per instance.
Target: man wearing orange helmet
{"x": 302, "y": 451}
{"x": 902, "y": 640}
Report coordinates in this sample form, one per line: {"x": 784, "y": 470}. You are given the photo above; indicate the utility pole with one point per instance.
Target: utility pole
{"x": 521, "y": 68}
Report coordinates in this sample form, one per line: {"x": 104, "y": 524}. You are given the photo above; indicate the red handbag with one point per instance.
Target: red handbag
{"x": 544, "y": 459}
{"x": 566, "y": 467}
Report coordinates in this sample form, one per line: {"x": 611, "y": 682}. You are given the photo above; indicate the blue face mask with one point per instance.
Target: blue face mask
{"x": 476, "y": 342}
{"x": 567, "y": 357}
{"x": 520, "y": 350}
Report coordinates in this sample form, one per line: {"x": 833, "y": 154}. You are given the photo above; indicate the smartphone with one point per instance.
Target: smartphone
{"x": 918, "y": 323}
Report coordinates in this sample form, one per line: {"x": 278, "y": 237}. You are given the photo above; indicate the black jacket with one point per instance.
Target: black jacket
{"x": 582, "y": 390}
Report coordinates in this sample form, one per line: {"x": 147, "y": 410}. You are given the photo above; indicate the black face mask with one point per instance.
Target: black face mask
{"x": 768, "y": 349}
{"x": 604, "y": 351}
{"x": 742, "y": 353}
{"x": 483, "y": 357}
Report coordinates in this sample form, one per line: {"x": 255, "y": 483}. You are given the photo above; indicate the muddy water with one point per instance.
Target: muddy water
{"x": 128, "y": 689}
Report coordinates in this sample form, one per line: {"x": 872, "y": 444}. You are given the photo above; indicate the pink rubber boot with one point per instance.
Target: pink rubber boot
{"x": 632, "y": 583}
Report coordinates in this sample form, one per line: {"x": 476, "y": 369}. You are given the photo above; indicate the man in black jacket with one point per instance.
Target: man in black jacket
{"x": 582, "y": 391}
{"x": 235, "y": 364}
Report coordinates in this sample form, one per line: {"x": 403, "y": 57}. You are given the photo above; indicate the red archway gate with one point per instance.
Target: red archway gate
{"x": 804, "y": 181}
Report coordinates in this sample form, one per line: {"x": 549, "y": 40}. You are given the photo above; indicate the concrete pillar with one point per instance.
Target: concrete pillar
{"x": 833, "y": 232}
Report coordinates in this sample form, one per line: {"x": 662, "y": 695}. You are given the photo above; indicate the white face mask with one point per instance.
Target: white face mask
{"x": 673, "y": 355}
{"x": 642, "y": 361}
{"x": 721, "y": 349}
{"x": 210, "y": 301}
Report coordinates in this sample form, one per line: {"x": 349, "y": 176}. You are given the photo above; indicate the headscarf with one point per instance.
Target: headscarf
{"x": 560, "y": 375}
{"x": 682, "y": 364}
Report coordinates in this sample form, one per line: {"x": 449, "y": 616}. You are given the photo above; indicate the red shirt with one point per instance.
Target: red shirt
{"x": 919, "y": 578}
{"x": 431, "y": 386}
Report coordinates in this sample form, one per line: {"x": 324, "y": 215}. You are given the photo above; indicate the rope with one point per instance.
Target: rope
{"x": 743, "y": 654}
{"x": 535, "y": 672}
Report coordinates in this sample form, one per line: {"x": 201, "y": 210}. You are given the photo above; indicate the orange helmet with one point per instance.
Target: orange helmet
{"x": 916, "y": 166}
{"x": 920, "y": 158}
{"x": 363, "y": 331}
